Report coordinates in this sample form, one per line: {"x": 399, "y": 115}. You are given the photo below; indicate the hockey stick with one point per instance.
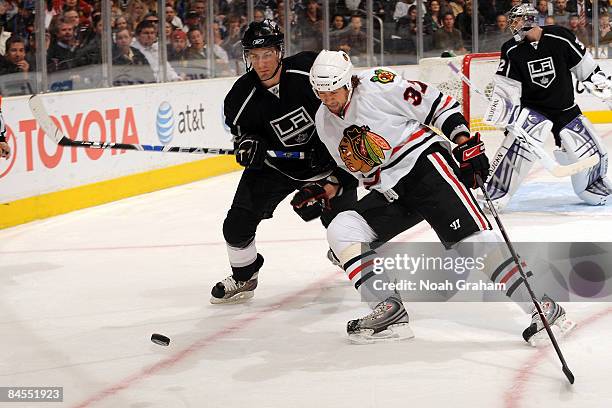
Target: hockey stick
{"x": 55, "y": 133}
{"x": 564, "y": 367}
{"x": 547, "y": 162}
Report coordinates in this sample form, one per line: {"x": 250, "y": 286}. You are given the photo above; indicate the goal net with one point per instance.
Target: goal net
{"x": 479, "y": 68}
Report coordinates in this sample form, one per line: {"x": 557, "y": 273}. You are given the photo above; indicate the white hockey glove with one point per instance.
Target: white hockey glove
{"x": 600, "y": 86}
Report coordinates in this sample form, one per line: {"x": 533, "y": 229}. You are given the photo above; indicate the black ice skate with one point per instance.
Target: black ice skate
{"x": 230, "y": 290}
{"x": 387, "y": 322}
{"x": 536, "y": 335}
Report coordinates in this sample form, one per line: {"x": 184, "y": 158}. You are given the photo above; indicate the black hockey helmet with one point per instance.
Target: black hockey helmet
{"x": 263, "y": 34}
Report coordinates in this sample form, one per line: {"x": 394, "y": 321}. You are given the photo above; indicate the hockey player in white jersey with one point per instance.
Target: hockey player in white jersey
{"x": 534, "y": 95}
{"x": 376, "y": 126}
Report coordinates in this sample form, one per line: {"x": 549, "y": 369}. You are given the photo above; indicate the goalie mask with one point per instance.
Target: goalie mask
{"x": 521, "y": 19}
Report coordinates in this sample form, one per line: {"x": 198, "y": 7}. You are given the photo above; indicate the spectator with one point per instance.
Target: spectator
{"x": 605, "y": 34}
{"x": 514, "y": 3}
{"x": 14, "y": 60}
{"x": 130, "y": 65}
{"x": 137, "y": 10}
{"x": 542, "y": 7}
{"x": 231, "y": 43}
{"x": 71, "y": 16}
{"x": 145, "y": 42}
{"x": 199, "y": 6}
{"x": 406, "y": 27}
{"x": 177, "y": 48}
{"x": 192, "y": 21}
{"x": 562, "y": 15}
{"x": 172, "y": 18}
{"x": 549, "y": 20}
{"x": 583, "y": 35}
{"x": 22, "y": 23}
{"x": 464, "y": 22}
{"x": 354, "y": 39}
{"x": 123, "y": 22}
{"x": 449, "y": 38}
{"x": 61, "y": 52}
{"x": 31, "y": 49}
{"x": 259, "y": 15}
{"x": 432, "y": 20}
{"x": 91, "y": 52}
{"x": 498, "y": 35}
{"x": 310, "y": 28}
{"x": 196, "y": 55}
{"x": 152, "y": 17}
{"x": 336, "y": 32}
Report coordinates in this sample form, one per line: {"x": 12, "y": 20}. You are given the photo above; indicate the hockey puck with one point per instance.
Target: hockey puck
{"x": 160, "y": 339}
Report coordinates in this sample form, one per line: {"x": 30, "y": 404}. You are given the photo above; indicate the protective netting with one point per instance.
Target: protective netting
{"x": 479, "y": 68}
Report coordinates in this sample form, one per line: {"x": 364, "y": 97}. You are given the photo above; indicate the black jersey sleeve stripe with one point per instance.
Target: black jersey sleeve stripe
{"x": 434, "y": 106}
{"x": 244, "y": 104}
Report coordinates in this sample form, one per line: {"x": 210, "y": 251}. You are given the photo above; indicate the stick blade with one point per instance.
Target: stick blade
{"x": 44, "y": 120}
{"x": 568, "y": 374}
{"x": 571, "y": 169}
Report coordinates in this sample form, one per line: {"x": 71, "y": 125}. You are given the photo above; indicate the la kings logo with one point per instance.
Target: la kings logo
{"x": 294, "y": 128}
{"x": 542, "y": 71}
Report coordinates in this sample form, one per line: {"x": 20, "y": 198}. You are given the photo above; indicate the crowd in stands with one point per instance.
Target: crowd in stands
{"x": 74, "y": 37}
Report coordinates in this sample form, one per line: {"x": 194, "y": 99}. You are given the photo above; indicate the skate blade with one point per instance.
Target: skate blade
{"x": 560, "y": 329}
{"x": 395, "y": 332}
{"x": 237, "y": 298}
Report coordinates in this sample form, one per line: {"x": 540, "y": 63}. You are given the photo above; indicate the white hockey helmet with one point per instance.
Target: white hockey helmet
{"x": 331, "y": 70}
{"x": 524, "y": 13}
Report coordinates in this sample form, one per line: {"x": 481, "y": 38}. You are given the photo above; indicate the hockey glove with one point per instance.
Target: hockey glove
{"x": 600, "y": 86}
{"x": 310, "y": 201}
{"x": 472, "y": 160}
{"x": 251, "y": 152}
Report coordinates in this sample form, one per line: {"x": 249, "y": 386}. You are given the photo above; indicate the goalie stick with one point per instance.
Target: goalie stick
{"x": 55, "y": 133}
{"x": 568, "y": 373}
{"x": 548, "y": 163}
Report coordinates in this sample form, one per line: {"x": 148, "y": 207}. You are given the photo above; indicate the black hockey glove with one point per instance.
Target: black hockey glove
{"x": 472, "y": 160}
{"x": 310, "y": 201}
{"x": 251, "y": 152}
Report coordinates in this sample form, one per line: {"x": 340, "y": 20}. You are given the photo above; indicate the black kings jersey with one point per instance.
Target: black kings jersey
{"x": 545, "y": 70}
{"x": 285, "y": 122}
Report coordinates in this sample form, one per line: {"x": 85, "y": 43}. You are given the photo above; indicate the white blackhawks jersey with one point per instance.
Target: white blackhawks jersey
{"x": 384, "y": 127}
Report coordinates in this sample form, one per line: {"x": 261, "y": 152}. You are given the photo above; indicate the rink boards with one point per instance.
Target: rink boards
{"x": 43, "y": 179}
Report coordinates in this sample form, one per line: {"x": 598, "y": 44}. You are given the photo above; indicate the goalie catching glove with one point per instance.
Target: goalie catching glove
{"x": 472, "y": 161}
{"x": 600, "y": 86}
{"x": 312, "y": 199}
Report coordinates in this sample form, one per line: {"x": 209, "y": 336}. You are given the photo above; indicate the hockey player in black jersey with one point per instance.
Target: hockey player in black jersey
{"x": 534, "y": 95}
{"x": 272, "y": 108}
{"x": 5, "y": 149}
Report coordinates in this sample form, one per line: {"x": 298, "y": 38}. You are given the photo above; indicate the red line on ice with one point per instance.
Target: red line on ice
{"x": 231, "y": 328}
{"x": 512, "y": 397}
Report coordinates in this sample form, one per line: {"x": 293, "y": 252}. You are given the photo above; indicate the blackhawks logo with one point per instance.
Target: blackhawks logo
{"x": 382, "y": 76}
{"x": 362, "y": 150}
